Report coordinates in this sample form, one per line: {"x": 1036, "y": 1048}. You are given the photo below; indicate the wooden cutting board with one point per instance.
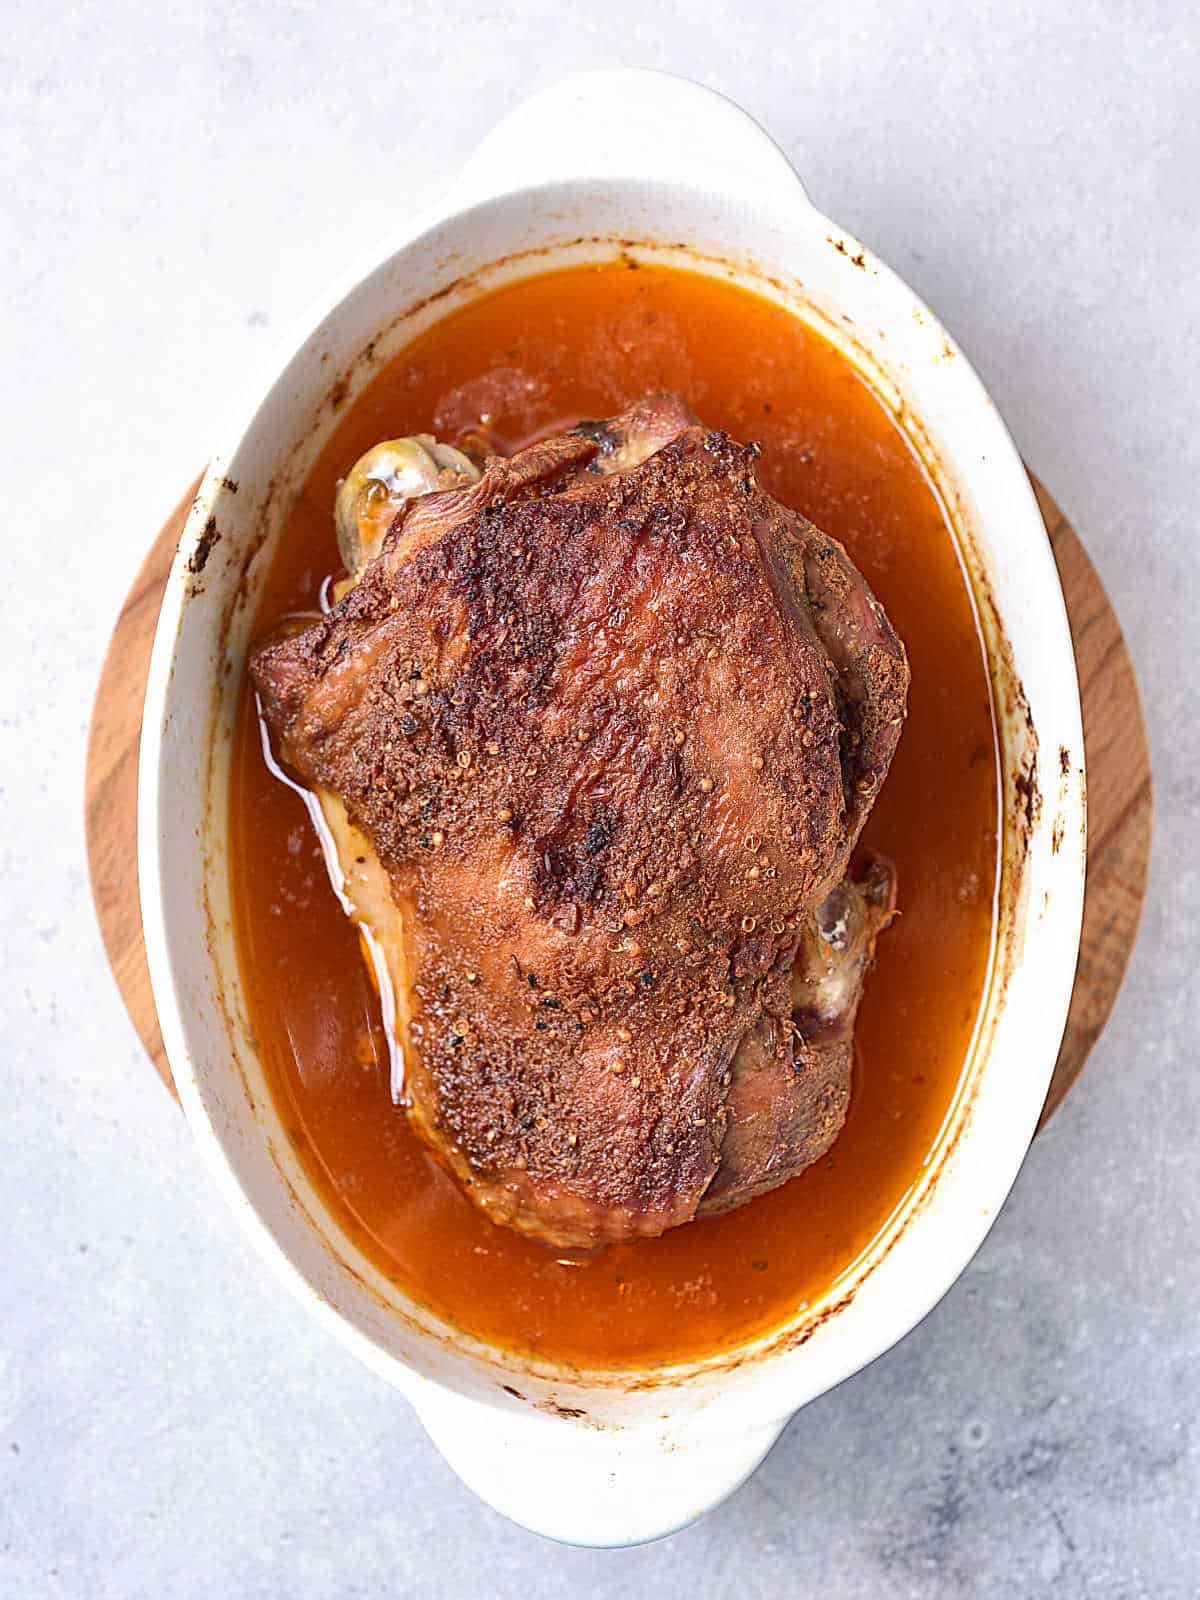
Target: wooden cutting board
{"x": 1118, "y": 769}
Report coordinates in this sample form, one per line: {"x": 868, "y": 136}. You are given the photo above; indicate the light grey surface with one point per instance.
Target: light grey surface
{"x": 178, "y": 180}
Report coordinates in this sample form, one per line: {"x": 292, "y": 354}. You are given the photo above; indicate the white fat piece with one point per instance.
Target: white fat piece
{"x": 361, "y": 885}
{"x": 377, "y": 488}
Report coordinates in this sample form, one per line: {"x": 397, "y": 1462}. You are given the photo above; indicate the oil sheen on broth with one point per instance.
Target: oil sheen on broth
{"x": 587, "y": 341}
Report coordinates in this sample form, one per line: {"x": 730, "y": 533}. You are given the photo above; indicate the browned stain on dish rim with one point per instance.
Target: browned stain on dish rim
{"x": 1019, "y": 811}
{"x": 205, "y": 544}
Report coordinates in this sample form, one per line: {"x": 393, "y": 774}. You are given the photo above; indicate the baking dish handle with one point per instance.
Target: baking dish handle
{"x": 570, "y": 1480}
{"x": 630, "y": 123}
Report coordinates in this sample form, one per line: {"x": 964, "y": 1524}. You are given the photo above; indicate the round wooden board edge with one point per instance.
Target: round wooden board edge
{"x": 1120, "y": 799}
{"x": 111, "y": 783}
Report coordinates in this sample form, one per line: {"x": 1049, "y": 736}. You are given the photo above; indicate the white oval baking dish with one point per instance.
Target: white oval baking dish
{"x": 662, "y": 165}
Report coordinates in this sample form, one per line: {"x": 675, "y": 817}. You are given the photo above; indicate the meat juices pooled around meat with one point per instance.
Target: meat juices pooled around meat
{"x": 595, "y": 733}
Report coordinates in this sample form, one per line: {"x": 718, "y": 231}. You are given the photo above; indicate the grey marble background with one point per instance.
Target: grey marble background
{"x": 178, "y": 179}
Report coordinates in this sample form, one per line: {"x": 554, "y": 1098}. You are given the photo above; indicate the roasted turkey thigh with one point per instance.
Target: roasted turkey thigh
{"x": 607, "y": 723}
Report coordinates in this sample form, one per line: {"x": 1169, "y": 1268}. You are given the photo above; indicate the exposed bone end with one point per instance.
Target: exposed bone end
{"x": 838, "y": 948}
{"x": 382, "y": 482}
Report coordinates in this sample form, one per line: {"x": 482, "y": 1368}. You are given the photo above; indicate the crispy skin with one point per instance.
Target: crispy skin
{"x": 612, "y": 722}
